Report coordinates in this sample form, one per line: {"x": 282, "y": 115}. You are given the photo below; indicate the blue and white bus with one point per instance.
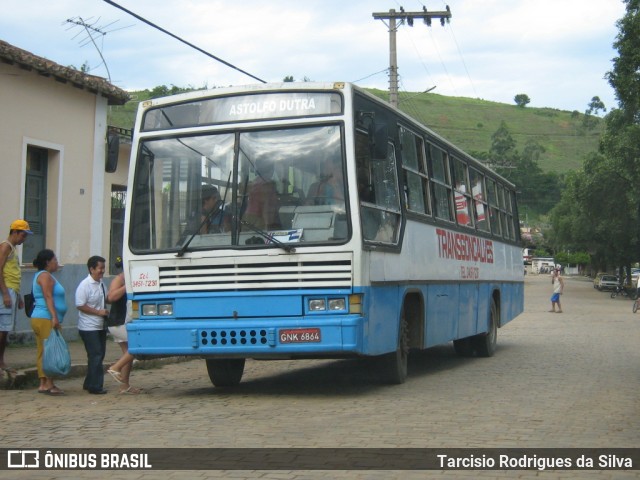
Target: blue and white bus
{"x": 341, "y": 228}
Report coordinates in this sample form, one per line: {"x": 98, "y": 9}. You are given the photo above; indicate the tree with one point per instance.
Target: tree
{"x": 537, "y": 191}
{"x": 164, "y": 91}
{"x": 600, "y": 208}
{"x": 621, "y": 140}
{"x": 288, "y": 78}
{"x": 594, "y": 107}
{"x": 503, "y": 151}
{"x": 522, "y": 99}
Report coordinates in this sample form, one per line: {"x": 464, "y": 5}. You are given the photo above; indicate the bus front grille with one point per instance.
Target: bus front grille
{"x": 264, "y": 272}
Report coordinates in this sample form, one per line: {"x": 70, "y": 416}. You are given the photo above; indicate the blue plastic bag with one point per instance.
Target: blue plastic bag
{"x": 56, "y": 360}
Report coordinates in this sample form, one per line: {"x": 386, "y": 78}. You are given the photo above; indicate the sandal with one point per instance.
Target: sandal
{"x": 115, "y": 375}
{"x": 55, "y": 391}
{"x": 131, "y": 391}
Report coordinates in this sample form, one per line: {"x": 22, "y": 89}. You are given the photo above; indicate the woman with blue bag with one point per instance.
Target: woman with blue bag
{"x": 48, "y": 313}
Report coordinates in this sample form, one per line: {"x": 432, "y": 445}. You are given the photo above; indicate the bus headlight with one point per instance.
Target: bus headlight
{"x": 162, "y": 309}
{"x": 317, "y": 305}
{"x": 337, "y": 304}
{"x": 327, "y": 304}
{"x": 165, "y": 309}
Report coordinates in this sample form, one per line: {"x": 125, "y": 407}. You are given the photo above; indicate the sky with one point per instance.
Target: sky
{"x": 555, "y": 51}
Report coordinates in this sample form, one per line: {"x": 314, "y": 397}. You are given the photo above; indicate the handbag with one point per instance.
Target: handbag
{"x": 118, "y": 312}
{"x": 29, "y": 299}
{"x": 56, "y": 359}
{"x": 29, "y": 303}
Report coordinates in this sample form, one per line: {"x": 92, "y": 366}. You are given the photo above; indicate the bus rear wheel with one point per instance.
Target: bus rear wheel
{"x": 395, "y": 364}
{"x": 225, "y": 372}
{"x": 484, "y": 344}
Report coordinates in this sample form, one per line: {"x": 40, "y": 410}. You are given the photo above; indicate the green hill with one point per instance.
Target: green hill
{"x": 470, "y": 123}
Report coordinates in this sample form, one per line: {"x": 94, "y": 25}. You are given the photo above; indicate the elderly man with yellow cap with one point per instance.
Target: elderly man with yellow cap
{"x": 10, "y": 276}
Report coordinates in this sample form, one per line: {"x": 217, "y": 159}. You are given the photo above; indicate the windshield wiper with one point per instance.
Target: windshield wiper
{"x": 285, "y": 246}
{"x": 184, "y": 247}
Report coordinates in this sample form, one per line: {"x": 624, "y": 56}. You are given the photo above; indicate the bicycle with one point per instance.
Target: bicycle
{"x": 625, "y": 291}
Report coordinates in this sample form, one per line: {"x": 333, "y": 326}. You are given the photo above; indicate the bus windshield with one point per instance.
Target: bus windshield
{"x": 240, "y": 189}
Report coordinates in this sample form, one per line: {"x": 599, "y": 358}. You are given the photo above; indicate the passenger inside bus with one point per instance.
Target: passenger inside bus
{"x": 329, "y": 188}
{"x": 262, "y": 200}
{"x": 211, "y": 218}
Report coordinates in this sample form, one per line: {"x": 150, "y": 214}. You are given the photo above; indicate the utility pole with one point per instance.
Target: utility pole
{"x": 402, "y": 17}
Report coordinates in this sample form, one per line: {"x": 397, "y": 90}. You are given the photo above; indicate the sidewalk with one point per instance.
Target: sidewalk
{"x": 23, "y": 359}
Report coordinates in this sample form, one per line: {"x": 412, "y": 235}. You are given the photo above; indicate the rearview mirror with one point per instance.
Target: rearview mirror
{"x": 112, "y": 152}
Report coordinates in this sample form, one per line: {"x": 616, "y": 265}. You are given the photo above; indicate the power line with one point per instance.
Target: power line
{"x": 368, "y": 76}
{"x": 110, "y": 2}
{"x": 464, "y": 64}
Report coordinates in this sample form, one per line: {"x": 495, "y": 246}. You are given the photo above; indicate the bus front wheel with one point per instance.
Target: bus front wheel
{"x": 395, "y": 364}
{"x": 225, "y": 372}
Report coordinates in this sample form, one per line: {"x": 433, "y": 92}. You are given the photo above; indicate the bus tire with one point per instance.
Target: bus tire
{"x": 484, "y": 344}
{"x": 395, "y": 364}
{"x": 464, "y": 347}
{"x": 225, "y": 372}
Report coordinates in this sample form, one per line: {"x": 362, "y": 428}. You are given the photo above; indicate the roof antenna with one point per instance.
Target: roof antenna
{"x": 93, "y": 31}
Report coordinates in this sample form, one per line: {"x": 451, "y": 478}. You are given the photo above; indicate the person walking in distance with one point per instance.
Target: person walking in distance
{"x": 10, "y": 276}
{"x": 91, "y": 302}
{"x": 558, "y": 287}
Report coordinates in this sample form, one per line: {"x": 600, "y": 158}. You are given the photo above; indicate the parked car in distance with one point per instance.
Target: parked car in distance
{"x": 608, "y": 282}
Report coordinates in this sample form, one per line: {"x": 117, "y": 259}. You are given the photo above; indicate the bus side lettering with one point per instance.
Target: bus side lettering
{"x": 460, "y": 246}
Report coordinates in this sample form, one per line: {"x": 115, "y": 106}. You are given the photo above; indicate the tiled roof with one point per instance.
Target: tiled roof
{"x": 28, "y": 61}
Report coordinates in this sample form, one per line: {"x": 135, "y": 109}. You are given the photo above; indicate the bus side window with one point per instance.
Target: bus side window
{"x": 494, "y": 213}
{"x": 416, "y": 181}
{"x": 461, "y": 193}
{"x": 379, "y": 194}
{"x": 479, "y": 200}
{"x": 441, "y": 180}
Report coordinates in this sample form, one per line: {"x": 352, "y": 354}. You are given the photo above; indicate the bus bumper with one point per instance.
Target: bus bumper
{"x": 333, "y": 336}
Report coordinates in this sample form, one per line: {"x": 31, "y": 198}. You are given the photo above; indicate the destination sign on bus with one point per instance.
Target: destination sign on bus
{"x": 243, "y": 108}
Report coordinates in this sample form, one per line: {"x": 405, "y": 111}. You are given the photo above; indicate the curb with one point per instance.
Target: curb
{"x": 29, "y": 376}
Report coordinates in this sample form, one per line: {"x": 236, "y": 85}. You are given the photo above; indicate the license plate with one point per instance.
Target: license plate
{"x": 299, "y": 335}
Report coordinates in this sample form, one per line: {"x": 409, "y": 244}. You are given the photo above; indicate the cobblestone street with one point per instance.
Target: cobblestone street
{"x": 556, "y": 381}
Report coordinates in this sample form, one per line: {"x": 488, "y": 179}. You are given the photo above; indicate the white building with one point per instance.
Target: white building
{"x": 53, "y": 130}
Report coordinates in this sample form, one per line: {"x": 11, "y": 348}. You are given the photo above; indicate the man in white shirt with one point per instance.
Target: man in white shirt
{"x": 91, "y": 302}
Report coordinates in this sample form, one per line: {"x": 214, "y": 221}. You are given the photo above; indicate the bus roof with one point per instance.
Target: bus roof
{"x": 305, "y": 86}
